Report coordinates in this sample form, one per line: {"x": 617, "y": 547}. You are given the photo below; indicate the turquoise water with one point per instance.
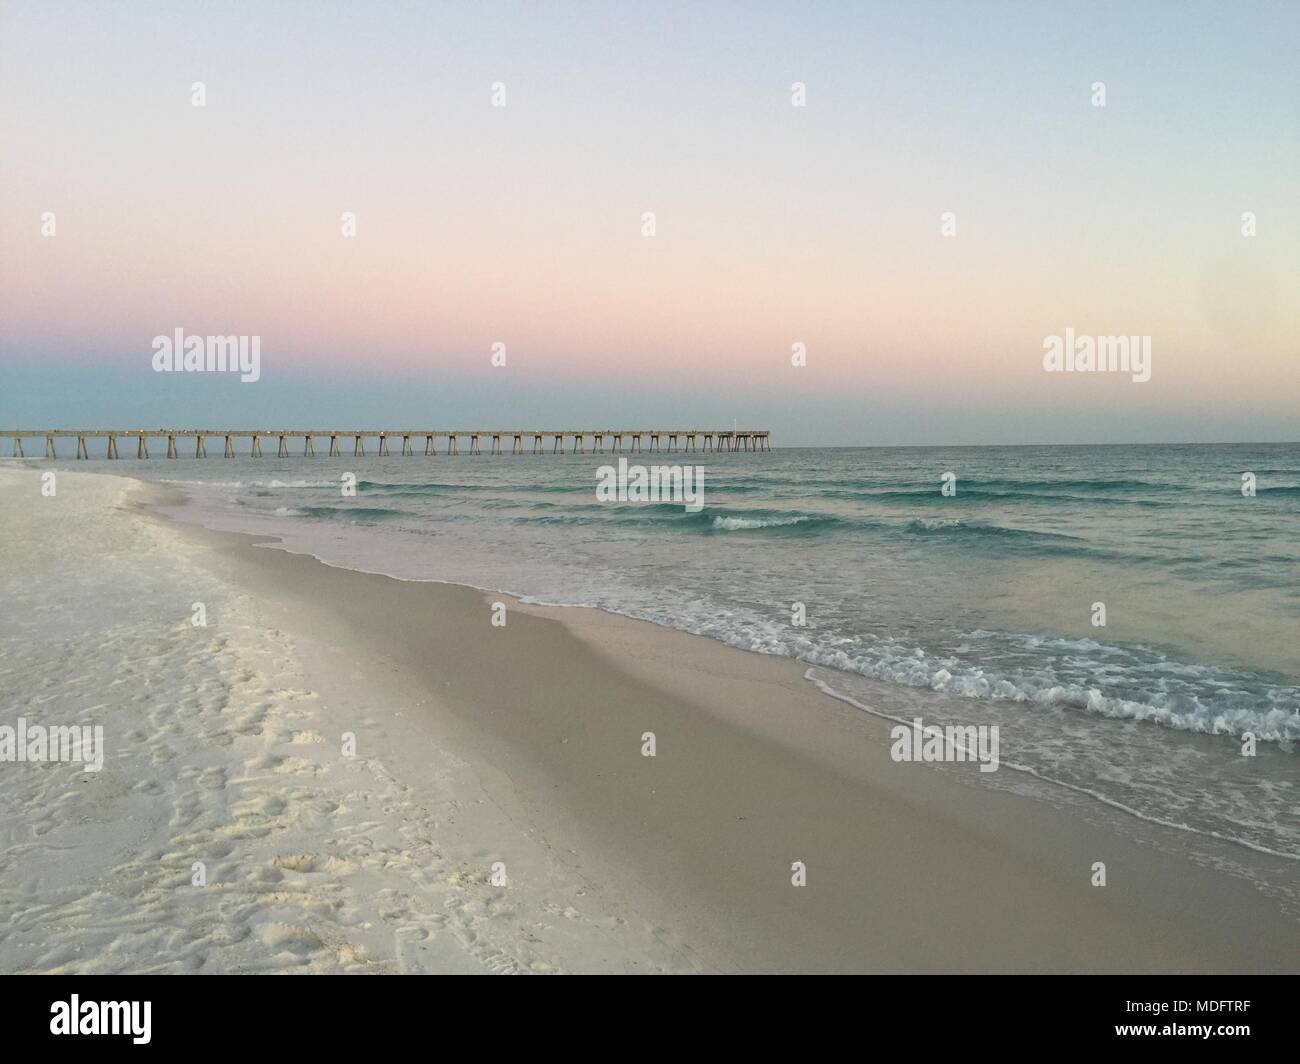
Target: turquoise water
{"x": 982, "y": 601}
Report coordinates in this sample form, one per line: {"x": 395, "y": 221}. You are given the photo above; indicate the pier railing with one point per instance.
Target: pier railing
{"x": 531, "y": 441}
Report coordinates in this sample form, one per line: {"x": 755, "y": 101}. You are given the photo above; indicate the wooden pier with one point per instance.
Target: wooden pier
{"x": 353, "y": 441}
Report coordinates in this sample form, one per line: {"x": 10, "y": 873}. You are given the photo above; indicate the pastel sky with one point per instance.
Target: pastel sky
{"x": 774, "y": 224}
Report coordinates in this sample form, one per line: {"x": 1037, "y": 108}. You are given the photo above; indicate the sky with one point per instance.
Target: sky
{"x": 525, "y": 225}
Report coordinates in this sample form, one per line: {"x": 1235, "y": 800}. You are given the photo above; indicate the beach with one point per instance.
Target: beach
{"x": 496, "y": 810}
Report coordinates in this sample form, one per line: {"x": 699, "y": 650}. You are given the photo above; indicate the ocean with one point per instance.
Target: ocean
{"x": 981, "y": 606}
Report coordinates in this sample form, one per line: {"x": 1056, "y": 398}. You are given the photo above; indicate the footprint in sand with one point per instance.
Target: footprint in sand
{"x": 278, "y": 936}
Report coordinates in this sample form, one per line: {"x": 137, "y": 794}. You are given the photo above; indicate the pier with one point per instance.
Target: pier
{"x": 353, "y": 441}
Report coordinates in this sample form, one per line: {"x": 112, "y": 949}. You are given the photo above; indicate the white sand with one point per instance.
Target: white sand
{"x": 220, "y": 751}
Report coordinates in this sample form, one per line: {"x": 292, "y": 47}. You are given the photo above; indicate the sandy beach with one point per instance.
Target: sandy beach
{"x": 498, "y": 813}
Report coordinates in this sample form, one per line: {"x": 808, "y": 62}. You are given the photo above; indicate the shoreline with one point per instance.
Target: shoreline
{"x": 814, "y": 673}
{"x": 740, "y": 720}
{"x": 523, "y": 744}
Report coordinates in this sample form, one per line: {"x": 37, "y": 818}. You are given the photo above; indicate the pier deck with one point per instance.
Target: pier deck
{"x": 530, "y": 441}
